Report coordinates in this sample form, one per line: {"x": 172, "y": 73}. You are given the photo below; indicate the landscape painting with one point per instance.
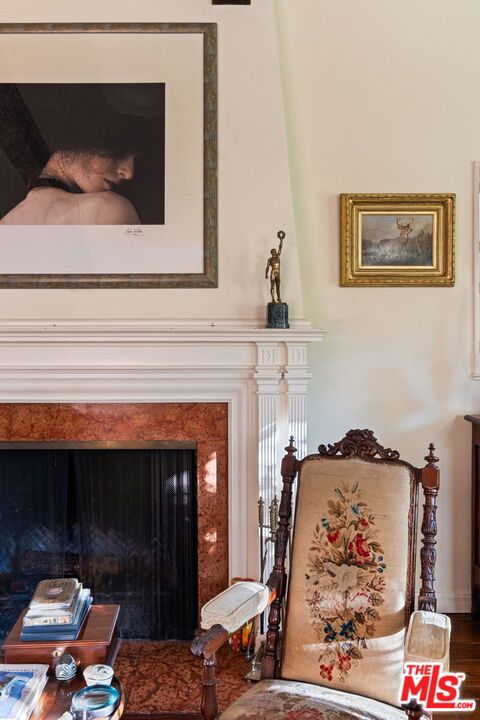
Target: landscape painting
{"x": 397, "y": 240}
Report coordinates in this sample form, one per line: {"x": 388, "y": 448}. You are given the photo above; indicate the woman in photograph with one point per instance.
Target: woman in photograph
{"x": 78, "y": 188}
{"x": 90, "y": 138}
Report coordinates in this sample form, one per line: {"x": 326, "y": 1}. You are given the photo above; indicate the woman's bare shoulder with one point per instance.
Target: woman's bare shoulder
{"x": 107, "y": 208}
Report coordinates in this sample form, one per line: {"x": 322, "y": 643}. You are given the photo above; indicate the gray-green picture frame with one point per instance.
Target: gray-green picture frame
{"x": 209, "y": 277}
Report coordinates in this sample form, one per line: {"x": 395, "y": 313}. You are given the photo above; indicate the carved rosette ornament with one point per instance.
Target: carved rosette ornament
{"x": 361, "y": 444}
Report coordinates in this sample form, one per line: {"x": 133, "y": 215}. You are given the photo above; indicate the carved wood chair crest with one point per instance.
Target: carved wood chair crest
{"x": 359, "y": 443}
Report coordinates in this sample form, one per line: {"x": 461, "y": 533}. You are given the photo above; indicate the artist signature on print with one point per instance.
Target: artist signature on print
{"x": 133, "y": 231}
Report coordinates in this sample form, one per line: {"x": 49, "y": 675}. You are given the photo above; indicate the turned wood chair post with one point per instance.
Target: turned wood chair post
{"x": 289, "y": 470}
{"x": 205, "y": 646}
{"x": 430, "y": 479}
{"x": 209, "y": 705}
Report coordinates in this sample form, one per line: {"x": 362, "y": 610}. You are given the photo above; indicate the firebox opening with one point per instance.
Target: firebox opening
{"x": 121, "y": 519}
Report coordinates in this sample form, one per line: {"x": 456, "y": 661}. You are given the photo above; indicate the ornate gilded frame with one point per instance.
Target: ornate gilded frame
{"x": 209, "y": 277}
{"x": 440, "y": 274}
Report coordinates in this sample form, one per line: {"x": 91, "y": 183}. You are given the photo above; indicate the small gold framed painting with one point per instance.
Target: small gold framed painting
{"x": 397, "y": 239}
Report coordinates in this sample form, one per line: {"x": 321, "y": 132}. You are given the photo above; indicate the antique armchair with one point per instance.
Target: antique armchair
{"x": 350, "y": 595}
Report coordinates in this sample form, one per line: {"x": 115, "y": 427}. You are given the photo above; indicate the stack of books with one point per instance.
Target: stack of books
{"x": 57, "y": 611}
{"x": 20, "y": 690}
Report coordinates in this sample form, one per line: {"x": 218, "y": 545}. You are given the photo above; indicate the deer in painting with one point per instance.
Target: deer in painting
{"x": 405, "y": 230}
{"x": 399, "y": 246}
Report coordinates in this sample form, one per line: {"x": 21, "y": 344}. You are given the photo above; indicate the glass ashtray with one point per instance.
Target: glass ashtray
{"x": 94, "y": 701}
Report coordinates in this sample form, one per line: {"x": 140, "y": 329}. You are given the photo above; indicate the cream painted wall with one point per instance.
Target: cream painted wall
{"x": 382, "y": 97}
{"x": 379, "y": 96}
{"x": 254, "y": 192}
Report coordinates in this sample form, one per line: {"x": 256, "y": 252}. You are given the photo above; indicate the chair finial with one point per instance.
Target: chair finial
{"x": 291, "y": 449}
{"x": 431, "y": 457}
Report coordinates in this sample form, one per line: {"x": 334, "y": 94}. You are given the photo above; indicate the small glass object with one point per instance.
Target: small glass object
{"x": 94, "y": 701}
{"x": 98, "y": 675}
{"x": 66, "y": 668}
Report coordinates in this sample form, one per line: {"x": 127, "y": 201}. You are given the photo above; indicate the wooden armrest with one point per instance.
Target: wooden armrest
{"x": 207, "y": 644}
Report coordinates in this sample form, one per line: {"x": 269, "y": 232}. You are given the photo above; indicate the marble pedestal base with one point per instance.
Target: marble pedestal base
{"x": 277, "y": 315}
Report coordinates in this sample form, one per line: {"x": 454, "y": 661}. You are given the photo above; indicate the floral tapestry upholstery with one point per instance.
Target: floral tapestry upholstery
{"x": 348, "y": 581}
{"x": 286, "y": 700}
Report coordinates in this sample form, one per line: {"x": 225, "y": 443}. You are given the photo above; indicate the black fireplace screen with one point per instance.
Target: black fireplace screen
{"x": 123, "y": 521}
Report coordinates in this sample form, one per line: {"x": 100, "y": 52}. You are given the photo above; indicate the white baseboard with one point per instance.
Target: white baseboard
{"x": 453, "y": 601}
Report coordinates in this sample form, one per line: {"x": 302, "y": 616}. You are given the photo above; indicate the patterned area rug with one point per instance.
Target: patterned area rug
{"x": 162, "y": 678}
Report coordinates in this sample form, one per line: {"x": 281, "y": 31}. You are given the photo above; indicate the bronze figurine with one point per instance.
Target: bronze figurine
{"x": 273, "y": 264}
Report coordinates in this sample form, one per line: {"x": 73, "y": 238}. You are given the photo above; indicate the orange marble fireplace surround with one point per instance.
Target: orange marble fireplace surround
{"x": 204, "y": 423}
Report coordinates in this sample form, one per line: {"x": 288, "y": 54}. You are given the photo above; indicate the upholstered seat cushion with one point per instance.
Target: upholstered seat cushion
{"x": 289, "y": 700}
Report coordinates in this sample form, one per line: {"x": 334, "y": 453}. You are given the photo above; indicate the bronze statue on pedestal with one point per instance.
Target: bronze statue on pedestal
{"x": 277, "y": 315}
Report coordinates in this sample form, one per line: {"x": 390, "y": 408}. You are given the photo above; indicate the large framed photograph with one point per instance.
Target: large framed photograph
{"x": 108, "y": 155}
{"x": 397, "y": 239}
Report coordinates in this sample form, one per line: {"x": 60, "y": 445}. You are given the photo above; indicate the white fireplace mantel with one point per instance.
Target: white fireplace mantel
{"x": 218, "y": 330}
{"x": 262, "y": 375}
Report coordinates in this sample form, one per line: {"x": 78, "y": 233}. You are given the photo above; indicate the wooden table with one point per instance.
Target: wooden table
{"x": 56, "y": 699}
{"x": 97, "y": 642}
{"x": 475, "y": 559}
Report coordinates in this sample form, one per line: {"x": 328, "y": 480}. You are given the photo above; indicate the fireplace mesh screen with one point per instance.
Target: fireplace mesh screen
{"x": 123, "y": 521}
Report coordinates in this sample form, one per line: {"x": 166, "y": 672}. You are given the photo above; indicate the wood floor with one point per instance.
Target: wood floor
{"x": 465, "y": 657}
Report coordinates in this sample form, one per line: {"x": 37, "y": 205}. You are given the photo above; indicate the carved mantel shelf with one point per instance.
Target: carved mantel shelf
{"x": 261, "y": 374}
{"x": 153, "y": 331}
